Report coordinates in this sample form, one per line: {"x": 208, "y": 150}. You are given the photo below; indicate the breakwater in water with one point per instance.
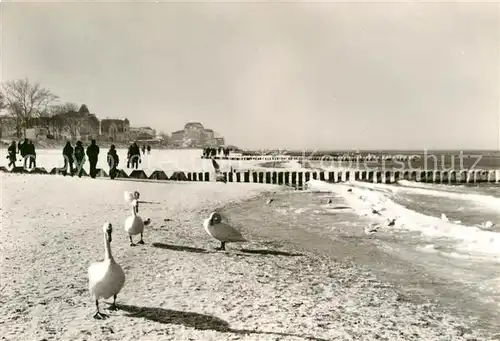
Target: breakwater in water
{"x": 295, "y": 179}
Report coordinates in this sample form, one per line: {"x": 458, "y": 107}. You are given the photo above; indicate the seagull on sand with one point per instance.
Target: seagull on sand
{"x": 219, "y": 177}
{"x": 219, "y": 228}
{"x": 372, "y": 228}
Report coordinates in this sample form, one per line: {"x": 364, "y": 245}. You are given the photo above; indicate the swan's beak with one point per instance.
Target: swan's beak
{"x": 108, "y": 235}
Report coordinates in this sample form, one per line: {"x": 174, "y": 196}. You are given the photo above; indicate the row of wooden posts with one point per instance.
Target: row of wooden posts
{"x": 297, "y": 179}
{"x": 310, "y": 158}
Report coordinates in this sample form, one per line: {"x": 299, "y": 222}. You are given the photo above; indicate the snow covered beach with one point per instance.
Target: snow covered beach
{"x": 177, "y": 287}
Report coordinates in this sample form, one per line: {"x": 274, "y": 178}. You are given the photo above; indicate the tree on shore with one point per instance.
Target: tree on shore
{"x": 26, "y": 102}
{"x": 75, "y": 121}
{"x": 2, "y": 101}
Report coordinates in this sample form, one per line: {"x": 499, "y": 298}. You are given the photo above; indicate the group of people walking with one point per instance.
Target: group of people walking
{"x": 75, "y": 157}
{"x": 210, "y": 151}
{"x": 134, "y": 154}
{"x": 27, "y": 151}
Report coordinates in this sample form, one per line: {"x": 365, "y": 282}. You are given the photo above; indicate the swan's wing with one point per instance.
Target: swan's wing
{"x": 216, "y": 166}
{"x": 227, "y": 233}
{"x": 96, "y": 273}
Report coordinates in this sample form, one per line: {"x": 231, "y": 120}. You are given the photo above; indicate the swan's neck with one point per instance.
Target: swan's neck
{"x": 107, "y": 249}
{"x": 134, "y": 211}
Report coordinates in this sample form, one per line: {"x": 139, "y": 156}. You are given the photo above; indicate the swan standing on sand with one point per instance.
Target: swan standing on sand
{"x": 106, "y": 278}
{"x": 222, "y": 231}
{"x": 134, "y": 224}
{"x": 131, "y": 196}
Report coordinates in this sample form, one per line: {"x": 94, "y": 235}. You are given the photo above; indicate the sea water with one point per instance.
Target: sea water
{"x": 439, "y": 248}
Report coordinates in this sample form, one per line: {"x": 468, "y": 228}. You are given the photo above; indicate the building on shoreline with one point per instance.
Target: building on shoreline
{"x": 81, "y": 125}
{"x": 195, "y": 135}
{"x": 142, "y": 133}
{"x": 85, "y": 126}
{"x": 114, "y": 130}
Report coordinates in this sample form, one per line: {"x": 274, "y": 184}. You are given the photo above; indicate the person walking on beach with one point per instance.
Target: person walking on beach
{"x": 68, "y": 158}
{"x": 79, "y": 154}
{"x": 22, "y": 151}
{"x": 113, "y": 161}
{"x": 149, "y": 149}
{"x": 12, "y": 151}
{"x": 30, "y": 154}
{"x": 129, "y": 155}
{"x": 93, "y": 155}
{"x": 135, "y": 155}
{"x": 143, "y": 149}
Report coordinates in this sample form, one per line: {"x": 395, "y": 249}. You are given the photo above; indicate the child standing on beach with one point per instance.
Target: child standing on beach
{"x": 113, "y": 161}
{"x": 79, "y": 158}
{"x": 68, "y": 158}
{"x": 93, "y": 154}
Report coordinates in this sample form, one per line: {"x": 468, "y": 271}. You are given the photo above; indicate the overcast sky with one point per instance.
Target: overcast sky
{"x": 289, "y": 75}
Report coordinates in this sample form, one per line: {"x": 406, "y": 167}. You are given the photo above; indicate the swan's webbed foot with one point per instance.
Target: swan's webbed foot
{"x": 131, "y": 241}
{"x": 113, "y": 305}
{"x": 133, "y": 244}
{"x": 140, "y": 241}
{"x": 222, "y": 247}
{"x": 100, "y": 316}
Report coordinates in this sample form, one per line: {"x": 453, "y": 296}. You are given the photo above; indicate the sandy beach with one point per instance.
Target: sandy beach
{"x": 177, "y": 286}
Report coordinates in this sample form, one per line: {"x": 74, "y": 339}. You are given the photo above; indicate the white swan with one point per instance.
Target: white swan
{"x": 134, "y": 224}
{"x": 222, "y": 231}
{"x": 106, "y": 278}
{"x": 130, "y": 196}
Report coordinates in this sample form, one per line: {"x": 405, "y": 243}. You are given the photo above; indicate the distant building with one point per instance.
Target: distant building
{"x": 194, "y": 135}
{"x": 219, "y": 141}
{"x": 68, "y": 125}
{"x": 142, "y": 133}
{"x": 176, "y": 138}
{"x": 115, "y": 130}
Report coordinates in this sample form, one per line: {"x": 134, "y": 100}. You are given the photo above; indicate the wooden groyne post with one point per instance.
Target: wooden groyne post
{"x": 297, "y": 179}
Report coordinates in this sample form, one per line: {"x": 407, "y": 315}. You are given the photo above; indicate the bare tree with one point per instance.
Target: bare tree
{"x": 68, "y": 118}
{"x": 26, "y": 101}
{"x": 2, "y": 101}
{"x": 64, "y": 108}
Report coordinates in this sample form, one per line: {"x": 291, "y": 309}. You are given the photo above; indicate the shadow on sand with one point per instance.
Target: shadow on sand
{"x": 271, "y": 252}
{"x": 195, "y": 320}
{"x": 179, "y": 248}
